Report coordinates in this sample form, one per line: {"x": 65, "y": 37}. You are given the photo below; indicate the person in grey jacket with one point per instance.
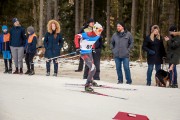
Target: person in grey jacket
{"x": 121, "y": 44}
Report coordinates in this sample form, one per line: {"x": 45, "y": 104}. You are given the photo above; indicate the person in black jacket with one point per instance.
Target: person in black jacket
{"x": 53, "y": 43}
{"x": 173, "y": 54}
{"x": 153, "y": 45}
{"x": 30, "y": 50}
{"x": 17, "y": 43}
{"x": 5, "y": 48}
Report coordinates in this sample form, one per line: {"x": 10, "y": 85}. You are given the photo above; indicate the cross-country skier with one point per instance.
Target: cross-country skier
{"x": 86, "y": 41}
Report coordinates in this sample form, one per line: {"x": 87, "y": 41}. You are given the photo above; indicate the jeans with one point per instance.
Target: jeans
{"x": 125, "y": 62}
{"x": 48, "y": 65}
{"x": 173, "y": 75}
{"x": 149, "y": 71}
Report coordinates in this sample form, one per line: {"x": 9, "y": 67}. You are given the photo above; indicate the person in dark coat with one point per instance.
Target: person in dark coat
{"x": 173, "y": 54}
{"x": 153, "y": 45}
{"x": 17, "y": 43}
{"x": 30, "y": 50}
{"x": 88, "y": 27}
{"x": 5, "y": 48}
{"x": 53, "y": 43}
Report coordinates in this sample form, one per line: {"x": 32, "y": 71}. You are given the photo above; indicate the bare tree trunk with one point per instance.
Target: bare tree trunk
{"x": 92, "y": 9}
{"x": 35, "y": 15}
{"x": 48, "y": 10}
{"x": 82, "y": 13}
{"x": 172, "y": 9}
{"x": 142, "y": 32}
{"x": 41, "y": 22}
{"x": 76, "y": 16}
{"x": 148, "y": 22}
{"x": 133, "y": 17}
{"x": 55, "y": 9}
{"x": 108, "y": 22}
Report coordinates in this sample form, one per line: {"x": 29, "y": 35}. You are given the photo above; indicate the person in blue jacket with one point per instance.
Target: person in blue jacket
{"x": 5, "y": 48}
{"x": 53, "y": 43}
{"x": 30, "y": 50}
{"x": 17, "y": 43}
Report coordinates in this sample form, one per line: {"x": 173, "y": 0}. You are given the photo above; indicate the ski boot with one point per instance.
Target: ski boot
{"x": 88, "y": 88}
{"x": 94, "y": 84}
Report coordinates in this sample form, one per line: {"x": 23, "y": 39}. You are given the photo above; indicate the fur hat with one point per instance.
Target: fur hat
{"x": 152, "y": 30}
{"x": 49, "y": 26}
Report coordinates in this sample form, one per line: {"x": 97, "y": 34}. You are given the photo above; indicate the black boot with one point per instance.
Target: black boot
{"x": 6, "y": 70}
{"x": 16, "y": 71}
{"x": 27, "y": 72}
{"x": 10, "y": 66}
{"x": 21, "y": 71}
{"x": 10, "y": 70}
{"x": 31, "y": 72}
{"x": 6, "y": 66}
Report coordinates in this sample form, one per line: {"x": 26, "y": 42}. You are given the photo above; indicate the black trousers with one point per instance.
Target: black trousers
{"x": 81, "y": 64}
{"x": 29, "y": 61}
{"x": 96, "y": 57}
{"x": 48, "y": 65}
{"x": 6, "y": 64}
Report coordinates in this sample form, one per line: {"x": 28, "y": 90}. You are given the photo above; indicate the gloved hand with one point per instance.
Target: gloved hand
{"x": 93, "y": 50}
{"x": 151, "y": 52}
{"x": 78, "y": 51}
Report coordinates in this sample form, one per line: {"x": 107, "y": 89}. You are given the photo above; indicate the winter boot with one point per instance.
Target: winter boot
{"x": 6, "y": 70}
{"x": 31, "y": 72}
{"x": 27, "y": 72}
{"x": 55, "y": 74}
{"x": 16, "y": 71}
{"x": 10, "y": 70}
{"x": 21, "y": 71}
{"x": 88, "y": 88}
{"x": 48, "y": 74}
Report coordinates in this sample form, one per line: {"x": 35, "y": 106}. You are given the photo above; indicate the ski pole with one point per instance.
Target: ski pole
{"x": 72, "y": 53}
{"x": 69, "y": 58}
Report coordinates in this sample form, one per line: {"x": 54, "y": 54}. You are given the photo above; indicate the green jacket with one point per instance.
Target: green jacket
{"x": 173, "y": 50}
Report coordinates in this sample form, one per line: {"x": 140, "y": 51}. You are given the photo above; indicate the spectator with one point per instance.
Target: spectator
{"x": 153, "y": 45}
{"x": 121, "y": 44}
{"x": 53, "y": 43}
{"x": 17, "y": 43}
{"x": 173, "y": 54}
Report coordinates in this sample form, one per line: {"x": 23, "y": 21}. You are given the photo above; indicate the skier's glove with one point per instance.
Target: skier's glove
{"x": 78, "y": 51}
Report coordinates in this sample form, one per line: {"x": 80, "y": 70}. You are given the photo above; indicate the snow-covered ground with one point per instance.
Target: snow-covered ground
{"x": 38, "y": 97}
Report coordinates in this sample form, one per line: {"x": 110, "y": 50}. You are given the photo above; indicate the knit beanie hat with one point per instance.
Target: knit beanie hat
{"x": 90, "y": 20}
{"x": 14, "y": 20}
{"x": 30, "y": 29}
{"x": 4, "y": 27}
{"x": 122, "y": 24}
{"x": 173, "y": 28}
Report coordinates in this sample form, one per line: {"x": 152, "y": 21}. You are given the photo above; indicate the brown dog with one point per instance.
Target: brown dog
{"x": 162, "y": 78}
